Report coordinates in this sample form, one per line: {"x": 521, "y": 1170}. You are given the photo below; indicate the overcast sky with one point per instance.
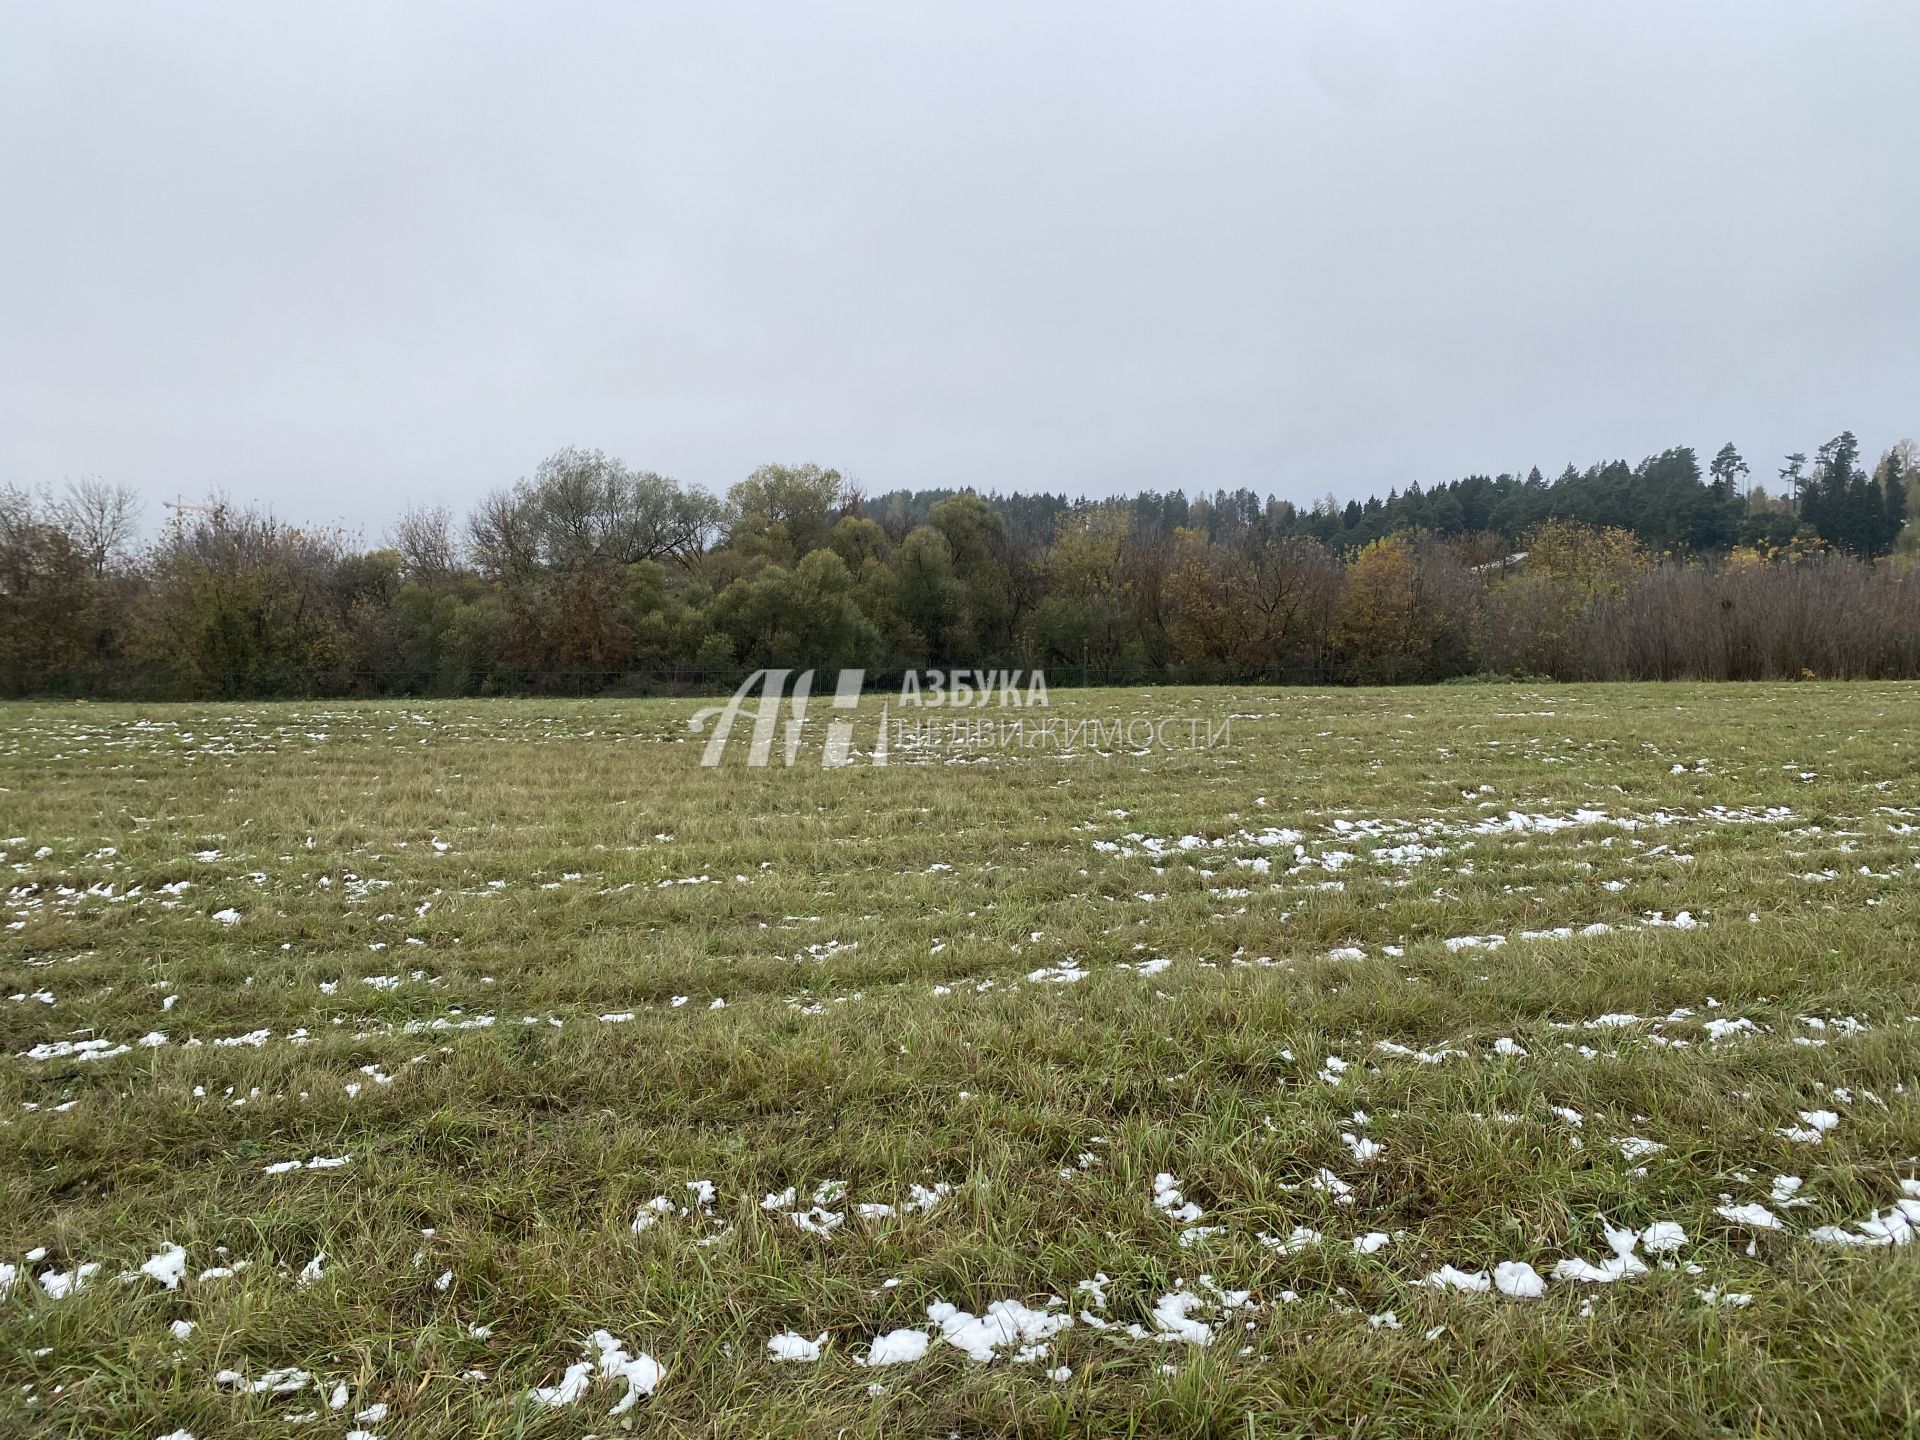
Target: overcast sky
{"x": 345, "y": 257}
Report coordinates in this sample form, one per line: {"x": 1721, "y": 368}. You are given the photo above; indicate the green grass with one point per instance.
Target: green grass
{"x": 880, "y": 1029}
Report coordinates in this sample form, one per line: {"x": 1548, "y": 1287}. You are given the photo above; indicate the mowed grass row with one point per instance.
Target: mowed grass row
{"x": 525, "y": 966}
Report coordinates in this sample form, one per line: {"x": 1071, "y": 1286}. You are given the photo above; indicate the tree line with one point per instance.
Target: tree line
{"x": 592, "y": 576}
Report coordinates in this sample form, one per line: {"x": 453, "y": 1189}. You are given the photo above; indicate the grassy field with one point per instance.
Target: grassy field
{"x": 1113, "y": 1094}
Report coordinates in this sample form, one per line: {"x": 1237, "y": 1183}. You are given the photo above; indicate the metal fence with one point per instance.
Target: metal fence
{"x": 283, "y": 683}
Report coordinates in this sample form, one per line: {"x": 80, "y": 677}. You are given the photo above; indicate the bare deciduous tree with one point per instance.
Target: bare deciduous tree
{"x": 100, "y": 518}
{"x": 423, "y": 536}
{"x": 501, "y": 536}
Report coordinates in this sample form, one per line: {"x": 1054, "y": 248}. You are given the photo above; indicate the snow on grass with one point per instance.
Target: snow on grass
{"x": 59, "y": 1284}
{"x": 1812, "y": 1129}
{"x": 1174, "y": 1318}
{"x": 607, "y": 1359}
{"x": 1475, "y": 905}
{"x": 1519, "y": 1280}
{"x": 1448, "y": 1277}
{"x": 1750, "y": 1217}
{"x": 1623, "y": 1264}
{"x": 1005, "y": 1325}
{"x": 788, "y": 1347}
{"x": 169, "y": 1266}
{"x": 897, "y": 1347}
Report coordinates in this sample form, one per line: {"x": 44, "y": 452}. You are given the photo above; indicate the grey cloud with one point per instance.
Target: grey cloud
{"x": 343, "y": 257}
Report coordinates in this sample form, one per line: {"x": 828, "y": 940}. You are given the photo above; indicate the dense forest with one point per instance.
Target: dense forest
{"x": 590, "y": 576}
